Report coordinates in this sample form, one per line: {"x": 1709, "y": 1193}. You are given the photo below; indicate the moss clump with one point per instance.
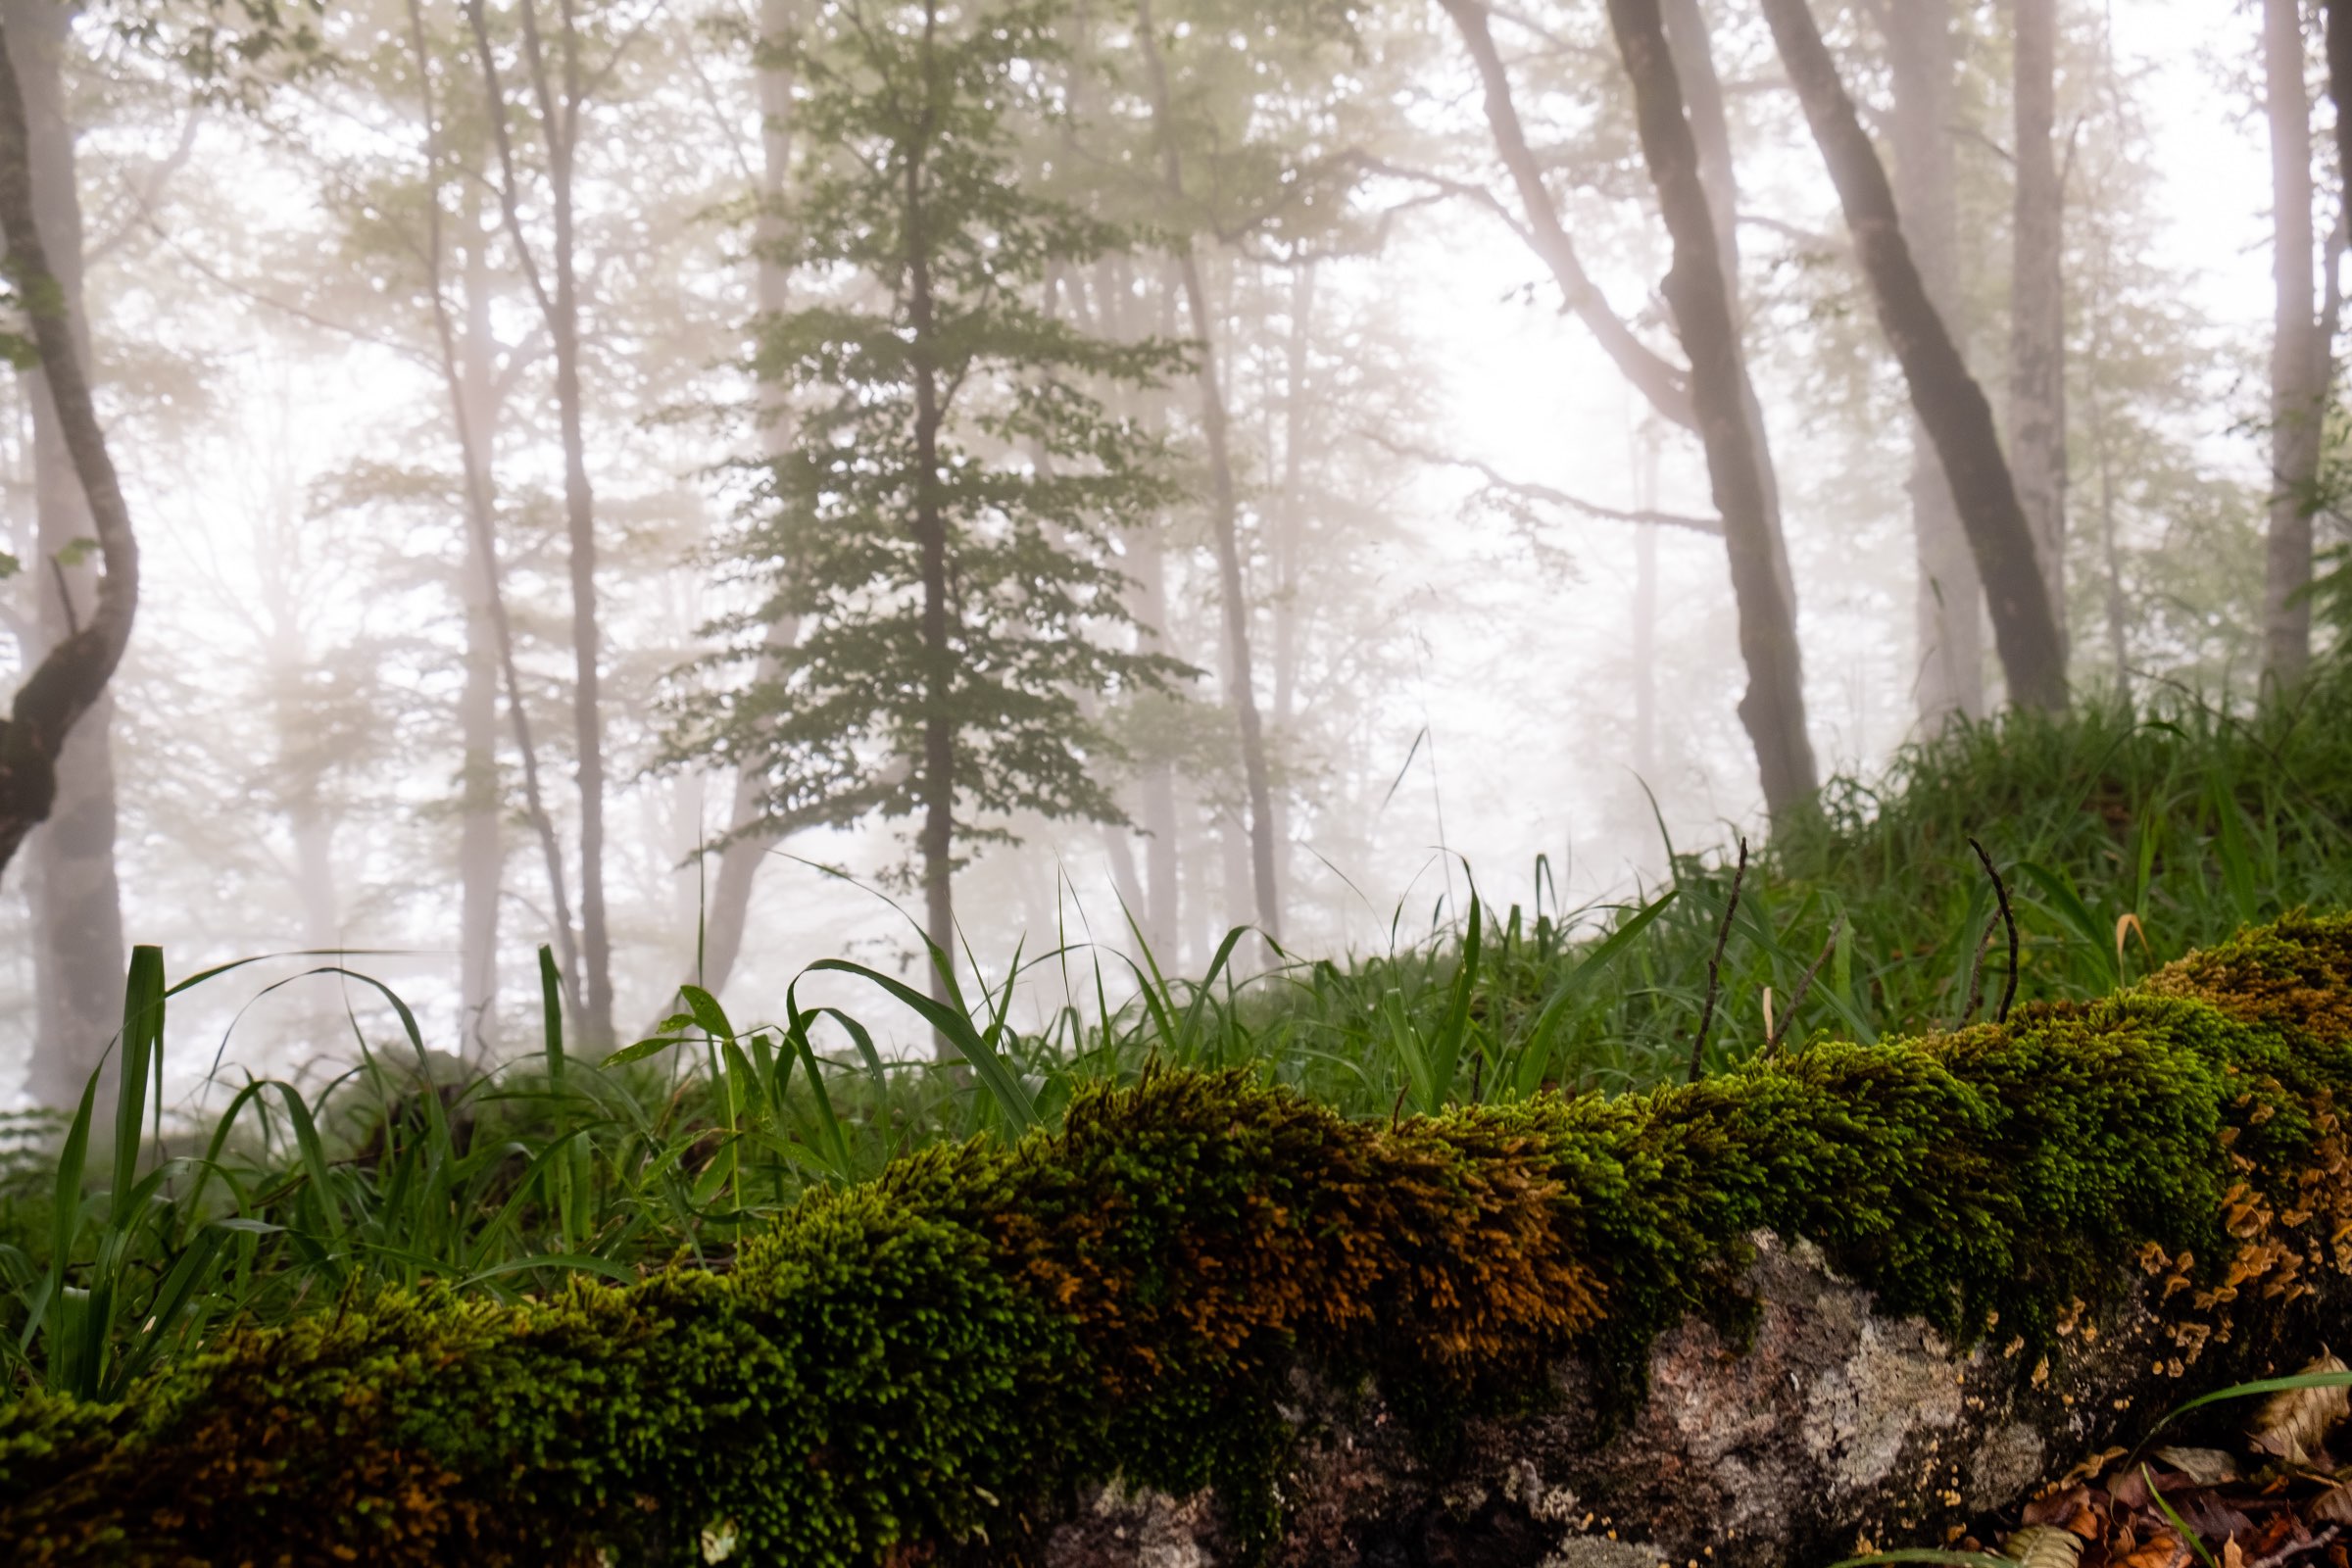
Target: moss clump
{"x": 922, "y": 1368}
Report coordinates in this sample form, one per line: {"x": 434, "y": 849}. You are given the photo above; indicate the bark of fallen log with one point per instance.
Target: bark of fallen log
{"x": 1833, "y": 1428}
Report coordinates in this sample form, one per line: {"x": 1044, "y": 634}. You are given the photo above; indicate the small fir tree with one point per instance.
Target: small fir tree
{"x": 944, "y": 528}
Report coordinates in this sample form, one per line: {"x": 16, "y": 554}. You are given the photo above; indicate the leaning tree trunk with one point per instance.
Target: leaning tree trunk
{"x": 71, "y": 678}
{"x": 1949, "y": 597}
{"x": 1774, "y": 706}
{"x": 2298, "y": 359}
{"x": 1948, "y": 400}
{"x": 76, "y": 898}
{"x": 2038, "y": 301}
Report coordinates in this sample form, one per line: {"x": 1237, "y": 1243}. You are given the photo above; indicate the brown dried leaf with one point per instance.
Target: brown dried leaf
{"x": 2206, "y": 1467}
{"x": 2293, "y": 1422}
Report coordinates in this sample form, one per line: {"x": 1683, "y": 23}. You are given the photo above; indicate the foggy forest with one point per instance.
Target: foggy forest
{"x": 645, "y": 636}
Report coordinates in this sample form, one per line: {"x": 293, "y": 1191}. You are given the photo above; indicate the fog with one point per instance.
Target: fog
{"x": 1476, "y": 666}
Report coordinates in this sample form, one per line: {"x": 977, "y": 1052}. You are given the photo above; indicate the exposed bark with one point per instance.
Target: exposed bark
{"x": 1948, "y": 597}
{"x": 558, "y": 104}
{"x": 1948, "y": 400}
{"x": 2038, "y": 301}
{"x": 2298, "y": 359}
{"x": 71, "y": 678}
{"x": 1828, "y": 1428}
{"x": 1773, "y": 709}
{"x": 75, "y": 895}
{"x": 1666, "y": 386}
{"x": 1240, "y": 679}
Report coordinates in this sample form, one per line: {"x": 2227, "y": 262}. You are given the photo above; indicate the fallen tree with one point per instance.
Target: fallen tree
{"x": 1854, "y": 1294}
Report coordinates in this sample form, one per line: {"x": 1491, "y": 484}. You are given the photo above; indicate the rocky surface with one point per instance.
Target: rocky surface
{"x": 1833, "y": 1428}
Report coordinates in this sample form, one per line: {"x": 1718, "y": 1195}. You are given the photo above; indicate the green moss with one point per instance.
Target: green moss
{"x": 931, "y": 1364}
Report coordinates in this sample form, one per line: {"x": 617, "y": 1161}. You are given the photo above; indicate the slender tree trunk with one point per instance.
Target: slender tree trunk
{"x": 1161, "y": 912}
{"x": 1645, "y": 609}
{"x": 1774, "y": 706}
{"x": 77, "y": 900}
{"x": 1693, "y": 55}
{"x": 561, "y": 119}
{"x": 2298, "y": 360}
{"x": 739, "y": 863}
{"x": 1290, "y": 544}
{"x": 1948, "y": 399}
{"x": 2037, "y": 302}
{"x": 481, "y": 847}
{"x": 937, "y": 839}
{"x": 1948, "y": 597}
{"x": 1663, "y": 384}
{"x": 1224, "y": 508}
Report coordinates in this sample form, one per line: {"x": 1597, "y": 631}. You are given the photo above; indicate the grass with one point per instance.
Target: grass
{"x": 2127, "y": 837}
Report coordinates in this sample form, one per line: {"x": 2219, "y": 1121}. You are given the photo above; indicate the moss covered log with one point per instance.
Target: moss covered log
{"x": 1203, "y": 1289}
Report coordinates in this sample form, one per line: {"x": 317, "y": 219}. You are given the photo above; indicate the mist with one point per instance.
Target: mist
{"x": 516, "y": 413}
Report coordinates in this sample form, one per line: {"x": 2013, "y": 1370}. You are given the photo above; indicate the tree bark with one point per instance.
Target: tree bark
{"x": 71, "y": 678}
{"x": 1224, "y": 507}
{"x": 76, "y": 894}
{"x": 2298, "y": 359}
{"x": 2037, "y": 302}
{"x": 2339, "y": 89}
{"x": 1773, "y": 709}
{"x": 1664, "y": 384}
{"x": 1948, "y": 597}
{"x": 1948, "y": 400}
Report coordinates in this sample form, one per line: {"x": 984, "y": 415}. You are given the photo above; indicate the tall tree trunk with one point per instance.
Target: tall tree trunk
{"x": 1687, "y": 41}
{"x": 69, "y": 678}
{"x": 747, "y": 848}
{"x": 1948, "y": 596}
{"x": 579, "y": 515}
{"x": 938, "y": 767}
{"x": 556, "y": 290}
{"x": 1290, "y": 544}
{"x": 76, "y": 898}
{"x": 481, "y": 847}
{"x": 2037, "y": 302}
{"x": 1224, "y": 507}
{"x": 1773, "y": 709}
{"x": 1948, "y": 400}
{"x": 474, "y": 462}
{"x": 1645, "y": 609}
{"x": 2298, "y": 359}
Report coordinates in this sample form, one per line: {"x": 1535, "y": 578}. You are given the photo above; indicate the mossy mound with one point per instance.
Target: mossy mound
{"x": 927, "y": 1367}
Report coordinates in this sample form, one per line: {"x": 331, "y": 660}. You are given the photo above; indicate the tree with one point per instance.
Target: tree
{"x": 2038, "y": 301}
{"x": 1773, "y": 709}
{"x": 943, "y": 527}
{"x": 71, "y": 677}
{"x": 1948, "y": 400}
{"x": 1948, "y": 598}
{"x": 76, "y": 894}
{"x": 2298, "y": 351}
{"x": 558, "y": 93}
